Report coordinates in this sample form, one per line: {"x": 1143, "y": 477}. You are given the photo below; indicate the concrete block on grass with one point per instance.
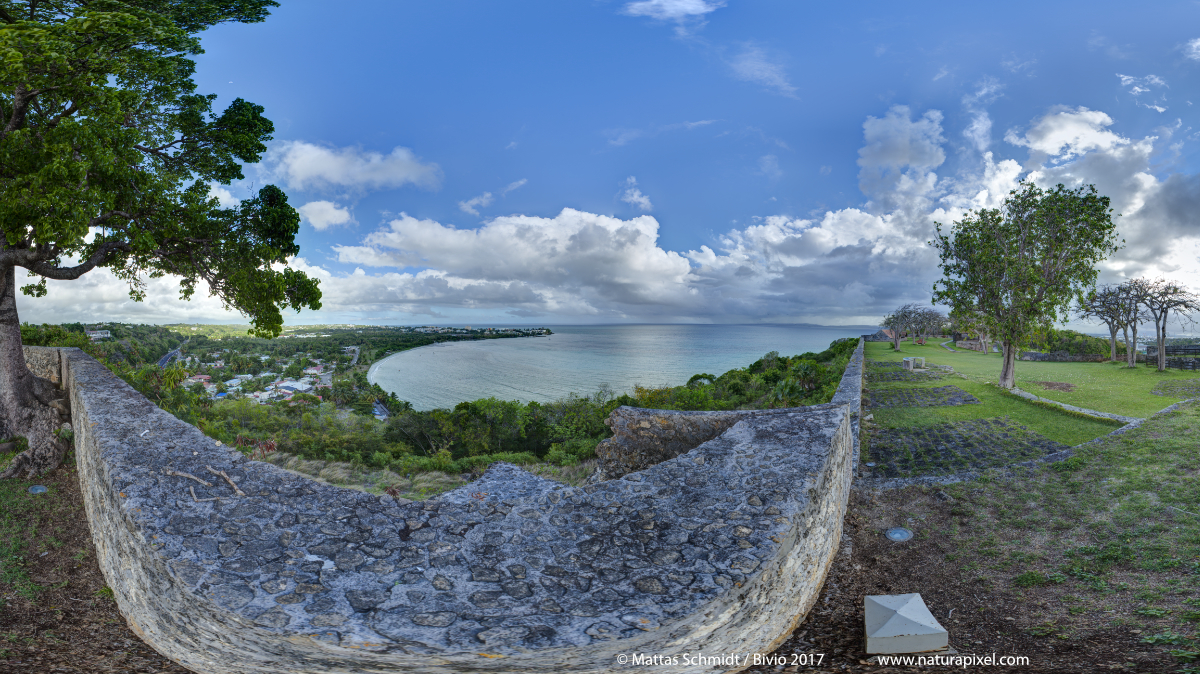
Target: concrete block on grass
{"x": 901, "y": 623}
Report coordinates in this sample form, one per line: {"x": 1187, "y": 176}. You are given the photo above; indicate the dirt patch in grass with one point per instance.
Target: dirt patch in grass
{"x": 1056, "y": 385}
{"x": 57, "y": 613}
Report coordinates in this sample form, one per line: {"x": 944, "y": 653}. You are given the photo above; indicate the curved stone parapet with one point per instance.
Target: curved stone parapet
{"x": 227, "y": 565}
{"x": 646, "y": 437}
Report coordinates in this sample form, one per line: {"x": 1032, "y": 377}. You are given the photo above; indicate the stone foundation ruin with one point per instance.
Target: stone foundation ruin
{"x": 228, "y": 565}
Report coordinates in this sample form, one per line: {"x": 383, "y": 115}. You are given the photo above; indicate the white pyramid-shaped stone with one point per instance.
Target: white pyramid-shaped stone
{"x": 901, "y": 623}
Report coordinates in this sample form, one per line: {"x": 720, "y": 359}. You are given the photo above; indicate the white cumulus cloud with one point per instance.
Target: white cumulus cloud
{"x": 672, "y": 10}
{"x": 470, "y": 205}
{"x": 634, "y": 197}
{"x": 324, "y": 214}
{"x": 302, "y": 165}
{"x": 224, "y": 197}
{"x": 1065, "y": 133}
{"x": 575, "y": 263}
{"x": 848, "y": 265}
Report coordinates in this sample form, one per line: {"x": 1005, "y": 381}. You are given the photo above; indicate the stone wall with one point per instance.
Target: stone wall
{"x": 720, "y": 549}
{"x": 645, "y": 437}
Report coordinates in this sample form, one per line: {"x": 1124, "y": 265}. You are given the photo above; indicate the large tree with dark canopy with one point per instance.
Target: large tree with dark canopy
{"x": 107, "y": 157}
{"x": 1019, "y": 267}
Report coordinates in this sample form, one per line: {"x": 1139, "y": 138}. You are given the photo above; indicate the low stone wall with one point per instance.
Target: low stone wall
{"x": 720, "y": 549}
{"x": 646, "y": 437}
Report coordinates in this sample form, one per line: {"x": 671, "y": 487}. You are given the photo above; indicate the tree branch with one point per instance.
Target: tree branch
{"x": 21, "y": 100}
{"x": 154, "y": 151}
{"x": 102, "y": 255}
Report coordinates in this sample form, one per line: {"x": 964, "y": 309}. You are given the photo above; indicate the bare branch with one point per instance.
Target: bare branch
{"x": 40, "y": 267}
{"x": 236, "y": 490}
{"x": 168, "y": 471}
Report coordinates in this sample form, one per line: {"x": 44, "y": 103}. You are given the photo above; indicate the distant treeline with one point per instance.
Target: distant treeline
{"x": 1070, "y": 342}
{"x": 133, "y": 344}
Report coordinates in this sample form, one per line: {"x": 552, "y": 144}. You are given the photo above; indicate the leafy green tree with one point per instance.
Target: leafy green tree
{"x": 107, "y": 154}
{"x": 1021, "y": 266}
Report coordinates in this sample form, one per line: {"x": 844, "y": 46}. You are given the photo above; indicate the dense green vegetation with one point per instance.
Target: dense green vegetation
{"x": 134, "y": 344}
{"x": 1070, "y": 342}
{"x": 327, "y": 343}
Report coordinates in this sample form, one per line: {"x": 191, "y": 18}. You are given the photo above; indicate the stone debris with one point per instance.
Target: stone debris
{"x": 942, "y": 396}
{"x": 1178, "y": 388}
{"x": 931, "y": 374}
{"x": 955, "y": 447}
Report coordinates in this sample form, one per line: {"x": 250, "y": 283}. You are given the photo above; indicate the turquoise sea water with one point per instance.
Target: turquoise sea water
{"x": 578, "y": 359}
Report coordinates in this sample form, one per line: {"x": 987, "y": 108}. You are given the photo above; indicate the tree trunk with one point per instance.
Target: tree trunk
{"x": 1112, "y": 342}
{"x": 1008, "y": 370}
{"x": 1161, "y": 335}
{"x": 896, "y": 336}
{"x": 25, "y": 399}
{"x": 1131, "y": 347}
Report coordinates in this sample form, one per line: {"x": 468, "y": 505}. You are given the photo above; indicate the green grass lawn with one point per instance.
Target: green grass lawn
{"x": 1068, "y": 429}
{"x": 1109, "y": 539}
{"x": 1106, "y": 540}
{"x": 1105, "y": 387}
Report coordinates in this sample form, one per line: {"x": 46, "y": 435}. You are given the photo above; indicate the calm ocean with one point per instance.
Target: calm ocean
{"x": 579, "y": 358}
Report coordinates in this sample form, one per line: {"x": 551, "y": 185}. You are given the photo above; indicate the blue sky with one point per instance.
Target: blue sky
{"x": 686, "y": 160}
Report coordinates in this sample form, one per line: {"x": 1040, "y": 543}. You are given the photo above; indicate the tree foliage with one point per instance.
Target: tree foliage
{"x": 107, "y": 154}
{"x": 1021, "y": 266}
{"x": 107, "y": 158}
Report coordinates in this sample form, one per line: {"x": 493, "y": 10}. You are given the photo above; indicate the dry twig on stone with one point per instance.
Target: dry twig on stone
{"x": 193, "y": 490}
{"x": 168, "y": 471}
{"x": 239, "y": 492}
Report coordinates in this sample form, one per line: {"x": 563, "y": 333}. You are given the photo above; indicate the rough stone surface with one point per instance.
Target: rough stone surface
{"x": 953, "y": 447}
{"x": 1178, "y": 388}
{"x": 646, "y": 437}
{"x": 941, "y": 396}
{"x": 879, "y": 376}
{"x": 722, "y": 548}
